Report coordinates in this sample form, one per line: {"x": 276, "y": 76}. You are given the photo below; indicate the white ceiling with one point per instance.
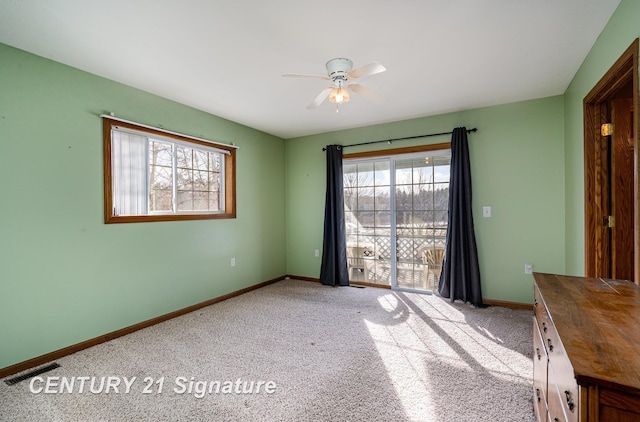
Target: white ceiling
{"x": 227, "y": 57}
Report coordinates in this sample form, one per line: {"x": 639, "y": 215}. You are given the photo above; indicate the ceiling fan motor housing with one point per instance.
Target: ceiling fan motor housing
{"x": 338, "y": 68}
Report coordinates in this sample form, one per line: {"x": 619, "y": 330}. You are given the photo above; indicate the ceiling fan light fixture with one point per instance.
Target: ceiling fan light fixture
{"x": 339, "y": 95}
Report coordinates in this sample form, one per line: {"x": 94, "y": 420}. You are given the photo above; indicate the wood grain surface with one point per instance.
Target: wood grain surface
{"x": 598, "y": 323}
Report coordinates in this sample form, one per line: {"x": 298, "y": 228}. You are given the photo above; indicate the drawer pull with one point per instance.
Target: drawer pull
{"x": 538, "y": 394}
{"x": 544, "y": 327}
{"x": 538, "y": 353}
{"x": 556, "y": 419}
{"x": 550, "y": 345}
{"x": 570, "y": 403}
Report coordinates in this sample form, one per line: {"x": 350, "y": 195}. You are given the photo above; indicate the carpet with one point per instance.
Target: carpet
{"x": 299, "y": 351}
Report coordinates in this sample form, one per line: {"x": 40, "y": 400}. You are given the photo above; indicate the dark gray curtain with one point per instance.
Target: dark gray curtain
{"x": 460, "y": 276}
{"x": 334, "y": 271}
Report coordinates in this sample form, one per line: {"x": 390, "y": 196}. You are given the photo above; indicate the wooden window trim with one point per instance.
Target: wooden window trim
{"x": 398, "y": 151}
{"x": 230, "y": 178}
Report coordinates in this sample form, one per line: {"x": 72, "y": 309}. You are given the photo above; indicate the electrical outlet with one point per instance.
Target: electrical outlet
{"x": 317, "y": 253}
{"x": 486, "y": 212}
{"x": 528, "y": 268}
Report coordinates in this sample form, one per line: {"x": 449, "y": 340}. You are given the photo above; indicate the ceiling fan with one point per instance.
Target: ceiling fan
{"x": 340, "y": 72}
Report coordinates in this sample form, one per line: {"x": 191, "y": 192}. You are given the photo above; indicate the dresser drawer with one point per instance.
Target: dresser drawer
{"x": 540, "y": 312}
{"x": 564, "y": 377}
{"x": 554, "y": 400}
{"x": 540, "y": 362}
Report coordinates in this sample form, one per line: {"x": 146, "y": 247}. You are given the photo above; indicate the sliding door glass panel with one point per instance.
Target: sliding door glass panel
{"x": 409, "y": 173}
{"x": 421, "y": 197}
{"x": 368, "y": 220}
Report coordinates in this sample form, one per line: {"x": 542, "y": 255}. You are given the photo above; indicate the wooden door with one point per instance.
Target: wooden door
{"x": 611, "y": 172}
{"x": 621, "y": 182}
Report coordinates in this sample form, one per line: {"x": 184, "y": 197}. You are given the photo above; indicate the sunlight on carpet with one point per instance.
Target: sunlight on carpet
{"x": 432, "y": 334}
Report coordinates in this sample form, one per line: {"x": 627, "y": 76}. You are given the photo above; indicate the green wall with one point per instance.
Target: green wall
{"x": 66, "y": 277}
{"x": 621, "y": 30}
{"x": 517, "y": 164}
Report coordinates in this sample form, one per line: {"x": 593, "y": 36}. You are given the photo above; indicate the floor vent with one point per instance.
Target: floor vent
{"x": 33, "y": 373}
{"x": 357, "y": 287}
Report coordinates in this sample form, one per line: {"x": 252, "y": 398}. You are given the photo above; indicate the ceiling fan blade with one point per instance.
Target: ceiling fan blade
{"x": 300, "y": 75}
{"x": 320, "y": 98}
{"x": 367, "y": 93}
{"x": 366, "y": 70}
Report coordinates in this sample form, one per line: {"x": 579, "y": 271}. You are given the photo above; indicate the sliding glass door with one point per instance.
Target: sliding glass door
{"x": 396, "y": 218}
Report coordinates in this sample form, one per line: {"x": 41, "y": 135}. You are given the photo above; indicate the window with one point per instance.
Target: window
{"x": 156, "y": 175}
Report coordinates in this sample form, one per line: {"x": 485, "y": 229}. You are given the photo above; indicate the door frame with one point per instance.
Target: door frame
{"x": 595, "y": 111}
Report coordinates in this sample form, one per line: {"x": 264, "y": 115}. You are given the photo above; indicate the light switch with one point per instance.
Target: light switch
{"x": 486, "y": 211}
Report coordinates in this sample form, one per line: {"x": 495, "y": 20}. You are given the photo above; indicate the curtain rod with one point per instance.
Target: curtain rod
{"x": 160, "y": 129}
{"x": 475, "y": 129}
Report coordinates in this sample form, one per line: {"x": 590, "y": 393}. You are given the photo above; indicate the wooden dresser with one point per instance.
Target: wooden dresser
{"x": 586, "y": 344}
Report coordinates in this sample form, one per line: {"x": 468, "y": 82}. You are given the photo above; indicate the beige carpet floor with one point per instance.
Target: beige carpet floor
{"x": 327, "y": 354}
